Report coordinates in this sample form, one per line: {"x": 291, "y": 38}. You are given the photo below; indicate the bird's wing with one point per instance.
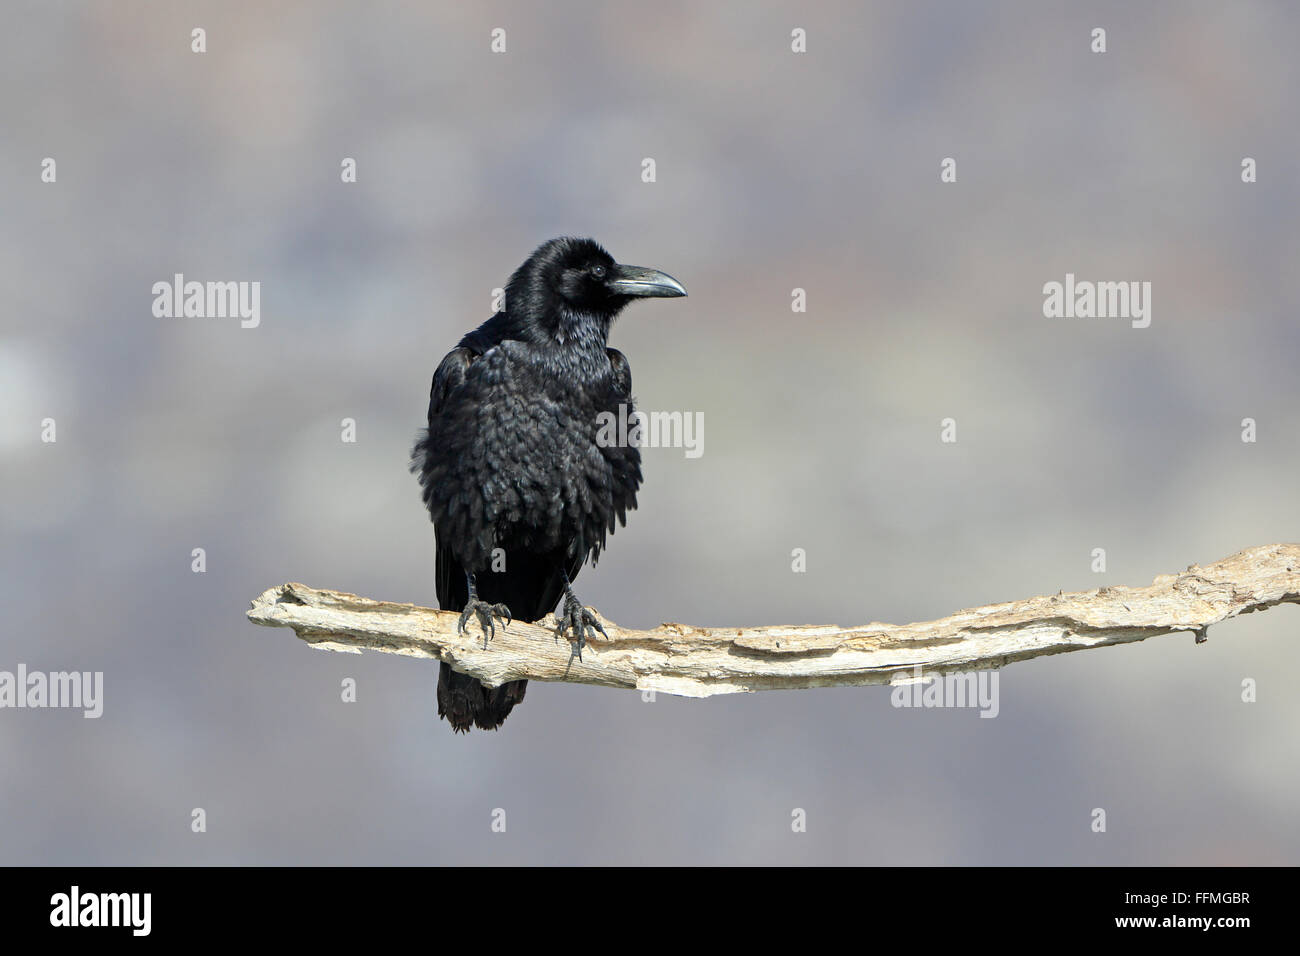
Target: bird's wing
{"x": 622, "y": 371}
{"x": 462, "y": 699}
{"x": 449, "y": 376}
{"x": 449, "y": 577}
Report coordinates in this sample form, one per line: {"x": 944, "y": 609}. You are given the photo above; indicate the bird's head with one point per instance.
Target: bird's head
{"x": 567, "y": 281}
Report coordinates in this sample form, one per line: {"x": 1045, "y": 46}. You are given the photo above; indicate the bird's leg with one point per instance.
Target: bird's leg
{"x": 576, "y": 618}
{"x": 483, "y": 611}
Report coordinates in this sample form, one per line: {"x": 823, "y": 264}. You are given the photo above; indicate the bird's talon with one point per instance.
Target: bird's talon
{"x": 484, "y": 613}
{"x": 577, "y": 619}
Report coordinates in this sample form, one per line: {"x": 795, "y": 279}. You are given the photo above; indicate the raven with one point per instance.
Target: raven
{"x": 520, "y": 490}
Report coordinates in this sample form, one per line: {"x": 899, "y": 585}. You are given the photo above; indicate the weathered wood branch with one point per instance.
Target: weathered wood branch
{"x": 701, "y": 661}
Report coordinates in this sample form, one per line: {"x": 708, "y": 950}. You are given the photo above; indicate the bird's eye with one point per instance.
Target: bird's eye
{"x": 598, "y": 271}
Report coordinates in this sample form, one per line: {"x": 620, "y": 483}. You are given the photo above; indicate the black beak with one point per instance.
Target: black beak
{"x": 643, "y": 283}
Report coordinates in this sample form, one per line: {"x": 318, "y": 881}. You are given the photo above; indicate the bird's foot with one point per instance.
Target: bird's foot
{"x": 485, "y": 613}
{"x": 577, "y": 619}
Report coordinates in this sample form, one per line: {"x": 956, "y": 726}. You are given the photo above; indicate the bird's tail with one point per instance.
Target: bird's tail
{"x": 465, "y": 702}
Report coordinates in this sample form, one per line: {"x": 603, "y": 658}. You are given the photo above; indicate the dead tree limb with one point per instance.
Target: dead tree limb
{"x": 702, "y": 661}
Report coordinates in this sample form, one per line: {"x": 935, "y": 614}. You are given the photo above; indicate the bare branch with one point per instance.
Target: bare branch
{"x": 699, "y": 661}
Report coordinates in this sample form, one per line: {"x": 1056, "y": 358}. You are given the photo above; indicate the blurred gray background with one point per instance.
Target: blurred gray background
{"x": 775, "y": 171}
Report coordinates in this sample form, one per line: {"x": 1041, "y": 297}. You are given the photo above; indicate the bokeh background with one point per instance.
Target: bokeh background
{"x": 775, "y": 171}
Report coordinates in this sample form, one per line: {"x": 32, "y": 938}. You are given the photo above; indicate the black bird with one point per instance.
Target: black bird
{"x": 520, "y": 490}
